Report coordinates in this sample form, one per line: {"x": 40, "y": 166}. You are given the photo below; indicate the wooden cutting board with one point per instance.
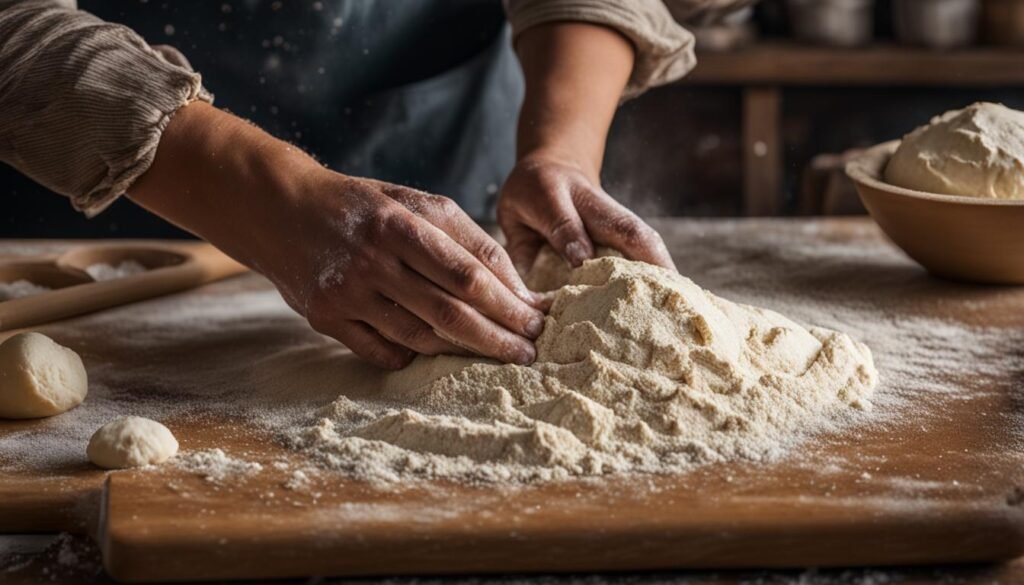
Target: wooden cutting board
{"x": 942, "y": 484}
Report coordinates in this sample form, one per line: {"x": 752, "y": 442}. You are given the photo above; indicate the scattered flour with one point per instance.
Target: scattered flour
{"x": 216, "y": 466}
{"x": 99, "y": 272}
{"x": 102, "y": 271}
{"x": 250, "y": 357}
{"x": 20, "y": 288}
{"x": 638, "y": 369}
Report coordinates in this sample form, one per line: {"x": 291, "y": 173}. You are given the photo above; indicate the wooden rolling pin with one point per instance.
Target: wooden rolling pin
{"x": 170, "y": 267}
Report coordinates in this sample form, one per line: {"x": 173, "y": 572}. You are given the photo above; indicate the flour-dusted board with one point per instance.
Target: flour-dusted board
{"x": 932, "y": 474}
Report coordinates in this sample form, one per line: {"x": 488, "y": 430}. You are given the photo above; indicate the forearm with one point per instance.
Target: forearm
{"x": 222, "y": 179}
{"x": 575, "y": 74}
{"x": 387, "y": 270}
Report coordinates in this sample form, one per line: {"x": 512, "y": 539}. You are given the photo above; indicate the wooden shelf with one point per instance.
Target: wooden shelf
{"x": 778, "y": 63}
{"x": 763, "y": 70}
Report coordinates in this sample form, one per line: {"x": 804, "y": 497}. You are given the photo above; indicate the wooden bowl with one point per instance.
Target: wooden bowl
{"x": 963, "y": 238}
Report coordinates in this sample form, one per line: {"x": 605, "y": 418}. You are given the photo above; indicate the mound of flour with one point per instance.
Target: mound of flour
{"x": 638, "y": 370}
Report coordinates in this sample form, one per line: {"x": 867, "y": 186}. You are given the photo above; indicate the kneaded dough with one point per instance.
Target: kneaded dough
{"x": 974, "y": 152}
{"x": 132, "y": 441}
{"x": 39, "y": 377}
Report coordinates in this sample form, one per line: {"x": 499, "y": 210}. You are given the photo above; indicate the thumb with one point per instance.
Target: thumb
{"x": 563, "y": 229}
{"x": 523, "y": 246}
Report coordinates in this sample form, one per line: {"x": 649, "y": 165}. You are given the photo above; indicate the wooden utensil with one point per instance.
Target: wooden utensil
{"x": 169, "y": 268}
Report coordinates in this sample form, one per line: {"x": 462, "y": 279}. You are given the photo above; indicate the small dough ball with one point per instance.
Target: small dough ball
{"x": 131, "y": 441}
{"x": 974, "y": 152}
{"x": 39, "y": 377}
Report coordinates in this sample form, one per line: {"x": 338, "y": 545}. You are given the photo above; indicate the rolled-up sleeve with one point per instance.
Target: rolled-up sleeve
{"x": 83, "y": 102}
{"x": 664, "y": 49}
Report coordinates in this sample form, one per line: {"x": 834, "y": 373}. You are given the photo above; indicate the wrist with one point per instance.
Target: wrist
{"x": 562, "y": 157}
{"x": 222, "y": 179}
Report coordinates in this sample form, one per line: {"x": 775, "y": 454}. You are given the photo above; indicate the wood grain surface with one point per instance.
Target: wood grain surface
{"x": 939, "y": 485}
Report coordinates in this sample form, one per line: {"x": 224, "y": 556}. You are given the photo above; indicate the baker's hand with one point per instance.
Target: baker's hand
{"x": 550, "y": 201}
{"x": 392, "y": 272}
{"x": 389, "y": 271}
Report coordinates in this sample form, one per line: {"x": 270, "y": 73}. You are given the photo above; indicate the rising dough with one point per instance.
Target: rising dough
{"x": 975, "y": 152}
{"x": 131, "y": 441}
{"x": 39, "y": 378}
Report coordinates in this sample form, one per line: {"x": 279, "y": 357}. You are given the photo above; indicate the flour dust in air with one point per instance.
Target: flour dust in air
{"x": 638, "y": 370}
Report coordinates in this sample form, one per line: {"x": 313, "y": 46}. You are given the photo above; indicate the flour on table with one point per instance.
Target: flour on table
{"x": 252, "y": 359}
{"x": 638, "y": 370}
{"x": 102, "y": 271}
{"x": 19, "y": 289}
{"x": 216, "y": 466}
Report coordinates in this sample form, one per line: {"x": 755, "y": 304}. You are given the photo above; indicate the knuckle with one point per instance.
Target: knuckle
{"x": 450, "y": 315}
{"x": 471, "y": 282}
{"x": 563, "y": 228}
{"x": 632, "y": 231}
{"x": 403, "y": 227}
{"x": 491, "y": 254}
{"x": 376, "y": 230}
{"x": 444, "y": 205}
{"x": 414, "y": 335}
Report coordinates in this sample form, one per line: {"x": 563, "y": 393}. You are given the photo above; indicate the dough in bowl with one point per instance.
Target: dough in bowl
{"x": 39, "y": 377}
{"x": 132, "y": 441}
{"x": 975, "y": 152}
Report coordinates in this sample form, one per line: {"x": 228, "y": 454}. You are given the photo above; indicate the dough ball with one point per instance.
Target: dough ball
{"x": 131, "y": 441}
{"x": 39, "y": 378}
{"x": 975, "y": 152}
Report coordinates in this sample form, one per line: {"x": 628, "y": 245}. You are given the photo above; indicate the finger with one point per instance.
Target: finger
{"x": 403, "y": 328}
{"x": 451, "y": 219}
{"x": 458, "y": 322}
{"x": 560, "y": 224}
{"x": 366, "y": 343}
{"x": 611, "y": 224}
{"x": 433, "y": 254}
{"x": 523, "y": 246}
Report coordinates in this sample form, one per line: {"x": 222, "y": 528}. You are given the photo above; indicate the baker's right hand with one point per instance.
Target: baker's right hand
{"x": 387, "y": 270}
{"x": 392, "y": 272}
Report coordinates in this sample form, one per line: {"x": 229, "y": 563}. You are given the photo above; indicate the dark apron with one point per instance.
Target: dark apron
{"x": 423, "y": 93}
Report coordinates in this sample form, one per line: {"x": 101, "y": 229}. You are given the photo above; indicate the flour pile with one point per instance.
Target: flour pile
{"x": 638, "y": 370}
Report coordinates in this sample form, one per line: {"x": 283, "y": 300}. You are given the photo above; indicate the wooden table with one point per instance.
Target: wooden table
{"x": 167, "y": 523}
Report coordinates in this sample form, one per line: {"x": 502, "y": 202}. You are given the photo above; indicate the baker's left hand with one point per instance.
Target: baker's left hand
{"x": 551, "y": 200}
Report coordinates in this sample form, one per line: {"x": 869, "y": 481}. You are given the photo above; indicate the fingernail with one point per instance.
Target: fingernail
{"x": 535, "y": 327}
{"x": 526, "y": 357}
{"x": 576, "y": 253}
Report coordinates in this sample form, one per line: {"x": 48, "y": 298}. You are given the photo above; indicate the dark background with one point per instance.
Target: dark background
{"x": 674, "y": 151}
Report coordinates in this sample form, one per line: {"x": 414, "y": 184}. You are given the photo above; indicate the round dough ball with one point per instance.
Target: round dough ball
{"x": 974, "y": 152}
{"x": 39, "y": 377}
{"x": 131, "y": 441}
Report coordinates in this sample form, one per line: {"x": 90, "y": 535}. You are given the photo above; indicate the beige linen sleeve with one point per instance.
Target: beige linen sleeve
{"x": 83, "y": 102}
{"x": 664, "y": 49}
